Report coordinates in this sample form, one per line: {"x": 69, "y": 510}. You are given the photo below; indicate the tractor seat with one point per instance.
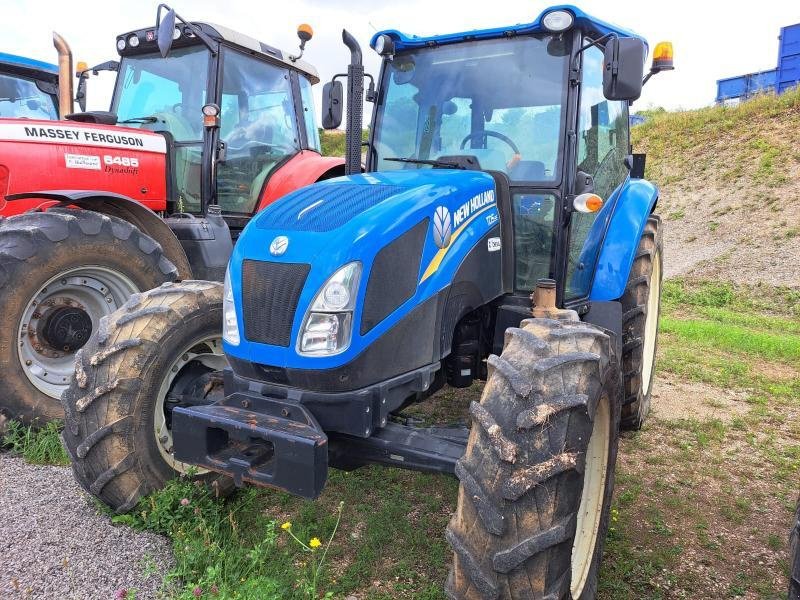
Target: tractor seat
{"x": 527, "y": 170}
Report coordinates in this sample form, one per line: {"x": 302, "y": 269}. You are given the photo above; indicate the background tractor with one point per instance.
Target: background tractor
{"x": 207, "y": 126}
{"x": 499, "y": 164}
{"x": 28, "y": 88}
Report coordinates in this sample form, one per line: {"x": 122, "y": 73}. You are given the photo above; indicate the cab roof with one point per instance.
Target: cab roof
{"x": 147, "y": 44}
{"x": 28, "y": 66}
{"x": 583, "y": 21}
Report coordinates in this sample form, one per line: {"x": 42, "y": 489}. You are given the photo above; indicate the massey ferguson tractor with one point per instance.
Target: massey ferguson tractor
{"x": 207, "y": 126}
{"x": 503, "y": 232}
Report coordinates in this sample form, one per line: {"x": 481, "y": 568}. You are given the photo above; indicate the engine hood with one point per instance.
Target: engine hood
{"x": 329, "y": 224}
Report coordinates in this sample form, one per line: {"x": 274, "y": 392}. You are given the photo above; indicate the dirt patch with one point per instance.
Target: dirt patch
{"x": 676, "y": 399}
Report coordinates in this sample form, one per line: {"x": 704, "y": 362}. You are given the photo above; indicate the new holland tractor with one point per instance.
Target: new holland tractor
{"x": 28, "y": 88}
{"x": 207, "y": 126}
{"x": 499, "y": 164}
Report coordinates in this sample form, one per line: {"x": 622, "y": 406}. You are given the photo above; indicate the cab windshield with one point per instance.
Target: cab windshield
{"x": 22, "y": 98}
{"x": 164, "y": 94}
{"x": 168, "y": 94}
{"x": 500, "y": 101}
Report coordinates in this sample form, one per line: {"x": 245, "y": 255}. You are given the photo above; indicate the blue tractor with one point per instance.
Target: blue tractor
{"x": 501, "y": 231}
{"x": 28, "y": 88}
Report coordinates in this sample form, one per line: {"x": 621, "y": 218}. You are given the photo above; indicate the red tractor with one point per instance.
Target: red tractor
{"x": 207, "y": 126}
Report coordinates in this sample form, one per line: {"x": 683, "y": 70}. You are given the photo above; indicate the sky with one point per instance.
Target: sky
{"x": 712, "y": 39}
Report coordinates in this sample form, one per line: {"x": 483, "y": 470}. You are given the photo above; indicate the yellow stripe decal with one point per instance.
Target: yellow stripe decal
{"x": 433, "y": 266}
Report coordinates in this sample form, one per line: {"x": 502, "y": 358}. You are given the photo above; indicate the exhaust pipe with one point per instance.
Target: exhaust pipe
{"x": 355, "y": 106}
{"x": 65, "y": 73}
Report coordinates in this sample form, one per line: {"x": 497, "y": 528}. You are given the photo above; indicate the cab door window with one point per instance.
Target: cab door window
{"x": 258, "y": 127}
{"x": 603, "y": 143}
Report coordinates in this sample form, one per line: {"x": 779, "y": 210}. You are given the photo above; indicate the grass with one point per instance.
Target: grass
{"x": 37, "y": 446}
{"x": 721, "y": 486}
{"x": 388, "y": 545}
{"x": 678, "y": 143}
{"x": 333, "y": 141}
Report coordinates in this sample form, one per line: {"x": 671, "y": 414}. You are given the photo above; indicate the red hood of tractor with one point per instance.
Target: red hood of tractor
{"x": 64, "y": 155}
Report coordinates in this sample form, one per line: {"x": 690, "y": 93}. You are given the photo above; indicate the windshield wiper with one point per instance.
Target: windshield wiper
{"x": 140, "y": 120}
{"x": 423, "y": 161}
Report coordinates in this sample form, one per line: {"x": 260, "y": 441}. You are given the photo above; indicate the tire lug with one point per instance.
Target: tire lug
{"x": 163, "y": 439}
{"x": 28, "y": 363}
{"x": 63, "y": 282}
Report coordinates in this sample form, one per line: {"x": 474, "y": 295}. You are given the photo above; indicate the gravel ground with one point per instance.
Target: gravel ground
{"x": 55, "y": 544}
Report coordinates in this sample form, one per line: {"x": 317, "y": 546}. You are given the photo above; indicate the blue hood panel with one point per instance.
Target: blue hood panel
{"x": 334, "y": 222}
{"x": 324, "y": 207}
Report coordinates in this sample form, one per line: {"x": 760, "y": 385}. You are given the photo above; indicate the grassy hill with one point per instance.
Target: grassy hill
{"x": 730, "y": 183}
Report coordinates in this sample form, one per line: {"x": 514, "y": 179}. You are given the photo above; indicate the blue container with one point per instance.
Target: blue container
{"x": 788, "y": 58}
{"x": 784, "y": 77}
{"x": 748, "y": 85}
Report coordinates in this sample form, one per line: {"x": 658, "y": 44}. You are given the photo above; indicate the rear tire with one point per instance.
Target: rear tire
{"x": 115, "y": 428}
{"x": 641, "y": 307}
{"x": 61, "y": 271}
{"x": 538, "y": 473}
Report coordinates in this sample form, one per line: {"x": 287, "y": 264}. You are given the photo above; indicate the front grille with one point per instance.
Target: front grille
{"x": 270, "y": 292}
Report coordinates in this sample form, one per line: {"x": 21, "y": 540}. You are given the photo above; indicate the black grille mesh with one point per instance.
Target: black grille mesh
{"x": 270, "y": 292}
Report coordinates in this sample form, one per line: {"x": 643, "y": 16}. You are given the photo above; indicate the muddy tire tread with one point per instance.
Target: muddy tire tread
{"x": 108, "y": 460}
{"x": 508, "y": 536}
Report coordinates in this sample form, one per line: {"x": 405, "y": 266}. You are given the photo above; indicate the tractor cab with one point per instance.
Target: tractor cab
{"x": 28, "y": 88}
{"x": 532, "y": 104}
{"x": 233, "y": 110}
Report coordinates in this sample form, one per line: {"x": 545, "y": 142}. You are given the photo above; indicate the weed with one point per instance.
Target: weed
{"x": 37, "y": 446}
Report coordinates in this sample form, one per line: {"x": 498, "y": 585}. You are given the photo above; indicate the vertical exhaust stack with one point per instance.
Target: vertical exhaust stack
{"x": 355, "y": 105}
{"x": 65, "y": 91}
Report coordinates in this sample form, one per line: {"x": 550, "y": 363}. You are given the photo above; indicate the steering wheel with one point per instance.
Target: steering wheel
{"x": 494, "y": 134}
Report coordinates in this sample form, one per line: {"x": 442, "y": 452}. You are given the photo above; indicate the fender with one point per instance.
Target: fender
{"x": 302, "y": 169}
{"x": 635, "y": 203}
{"x": 125, "y": 208}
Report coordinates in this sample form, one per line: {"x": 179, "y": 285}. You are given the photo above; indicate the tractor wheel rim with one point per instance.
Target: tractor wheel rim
{"x": 592, "y": 497}
{"x": 208, "y": 351}
{"x": 651, "y": 325}
{"x": 59, "y": 319}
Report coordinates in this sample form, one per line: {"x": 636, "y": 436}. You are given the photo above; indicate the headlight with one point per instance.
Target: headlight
{"x": 328, "y": 325}
{"x": 230, "y": 326}
{"x": 557, "y": 21}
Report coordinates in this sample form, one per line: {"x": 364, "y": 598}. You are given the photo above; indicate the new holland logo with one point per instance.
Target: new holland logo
{"x": 279, "y": 245}
{"x": 442, "y": 227}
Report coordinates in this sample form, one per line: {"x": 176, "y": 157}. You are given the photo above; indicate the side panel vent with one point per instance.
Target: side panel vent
{"x": 394, "y": 274}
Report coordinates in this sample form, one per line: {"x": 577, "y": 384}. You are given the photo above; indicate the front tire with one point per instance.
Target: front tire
{"x": 61, "y": 271}
{"x": 117, "y": 408}
{"x": 641, "y": 307}
{"x": 538, "y": 472}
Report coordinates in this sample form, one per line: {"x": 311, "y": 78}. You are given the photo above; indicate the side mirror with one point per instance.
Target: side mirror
{"x": 166, "y": 31}
{"x": 623, "y": 69}
{"x": 584, "y": 183}
{"x": 332, "y": 104}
